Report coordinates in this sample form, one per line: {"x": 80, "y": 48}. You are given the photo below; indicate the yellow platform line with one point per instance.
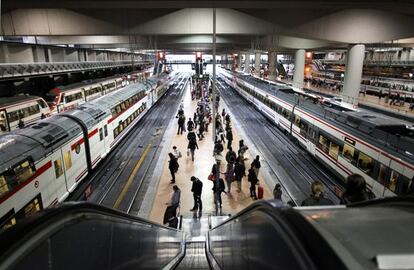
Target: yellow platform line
{"x": 131, "y": 178}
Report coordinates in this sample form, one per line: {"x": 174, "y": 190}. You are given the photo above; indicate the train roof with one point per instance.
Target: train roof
{"x": 46, "y": 135}
{"x": 36, "y": 140}
{"x": 7, "y": 101}
{"x": 361, "y": 234}
{"x": 383, "y": 132}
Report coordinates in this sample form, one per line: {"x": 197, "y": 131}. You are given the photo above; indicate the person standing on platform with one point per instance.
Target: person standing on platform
{"x": 277, "y": 195}
{"x": 317, "y": 196}
{"x": 355, "y": 190}
{"x": 231, "y": 156}
{"x": 181, "y": 123}
{"x": 195, "y": 120}
{"x": 229, "y": 137}
{"x": 229, "y": 176}
{"x": 239, "y": 172}
{"x": 177, "y": 154}
{"x": 192, "y": 144}
{"x": 201, "y": 130}
{"x": 174, "y": 202}
{"x": 252, "y": 178}
{"x": 197, "y": 189}
{"x": 256, "y": 165}
{"x": 218, "y": 188}
{"x": 190, "y": 124}
{"x": 242, "y": 149}
{"x": 223, "y": 114}
{"x": 173, "y": 166}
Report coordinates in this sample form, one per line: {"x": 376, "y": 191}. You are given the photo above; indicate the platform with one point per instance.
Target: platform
{"x": 201, "y": 167}
{"x": 370, "y": 101}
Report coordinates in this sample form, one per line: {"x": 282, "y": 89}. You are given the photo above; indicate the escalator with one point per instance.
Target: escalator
{"x": 263, "y": 236}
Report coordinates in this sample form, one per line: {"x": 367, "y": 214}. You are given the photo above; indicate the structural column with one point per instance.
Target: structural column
{"x": 247, "y": 63}
{"x": 271, "y": 59}
{"x": 353, "y": 73}
{"x": 257, "y": 64}
{"x": 239, "y": 62}
{"x": 298, "y": 75}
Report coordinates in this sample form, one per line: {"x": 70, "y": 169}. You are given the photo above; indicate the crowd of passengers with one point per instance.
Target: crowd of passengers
{"x": 235, "y": 167}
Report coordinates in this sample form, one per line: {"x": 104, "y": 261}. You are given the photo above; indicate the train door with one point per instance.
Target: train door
{"x": 312, "y": 136}
{"x": 4, "y": 123}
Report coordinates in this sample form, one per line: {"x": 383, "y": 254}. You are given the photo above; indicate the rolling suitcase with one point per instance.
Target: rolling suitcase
{"x": 260, "y": 192}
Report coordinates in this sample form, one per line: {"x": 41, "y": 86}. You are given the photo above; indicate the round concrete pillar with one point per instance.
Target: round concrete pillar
{"x": 271, "y": 59}
{"x": 239, "y": 62}
{"x": 298, "y": 75}
{"x": 257, "y": 64}
{"x": 247, "y": 63}
{"x": 353, "y": 73}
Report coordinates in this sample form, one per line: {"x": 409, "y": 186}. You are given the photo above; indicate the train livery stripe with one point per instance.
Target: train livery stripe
{"x": 80, "y": 175}
{"x": 38, "y": 172}
{"x": 82, "y": 140}
{"x": 335, "y": 162}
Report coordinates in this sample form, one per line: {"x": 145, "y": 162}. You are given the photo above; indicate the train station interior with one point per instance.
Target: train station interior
{"x": 275, "y": 134}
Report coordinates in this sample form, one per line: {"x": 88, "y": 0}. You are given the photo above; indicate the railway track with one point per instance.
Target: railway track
{"x": 296, "y": 169}
{"x": 117, "y": 182}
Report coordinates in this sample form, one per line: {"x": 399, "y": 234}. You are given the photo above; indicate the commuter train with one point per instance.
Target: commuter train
{"x": 21, "y": 110}
{"x": 378, "y": 148}
{"x": 42, "y": 163}
{"x": 63, "y": 98}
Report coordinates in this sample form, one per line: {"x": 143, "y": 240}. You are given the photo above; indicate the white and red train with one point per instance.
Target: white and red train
{"x": 63, "y": 98}
{"x": 21, "y": 110}
{"x": 42, "y": 163}
{"x": 380, "y": 149}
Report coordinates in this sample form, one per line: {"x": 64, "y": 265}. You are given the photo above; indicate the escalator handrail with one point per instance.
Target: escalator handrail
{"x": 13, "y": 237}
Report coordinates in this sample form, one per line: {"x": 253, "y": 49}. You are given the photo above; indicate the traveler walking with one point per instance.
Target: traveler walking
{"x": 317, "y": 196}
{"x": 229, "y": 176}
{"x": 192, "y": 145}
{"x": 231, "y": 156}
{"x": 197, "y": 189}
{"x": 239, "y": 172}
{"x": 173, "y": 166}
{"x": 252, "y": 178}
{"x": 190, "y": 124}
{"x": 256, "y": 165}
{"x": 229, "y": 137}
{"x": 181, "y": 123}
{"x": 218, "y": 188}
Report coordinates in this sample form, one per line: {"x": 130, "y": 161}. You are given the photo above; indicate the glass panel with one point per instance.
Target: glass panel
{"x": 365, "y": 163}
{"x": 68, "y": 160}
{"x": 58, "y": 168}
{"x": 394, "y": 180}
{"x": 106, "y": 130}
{"x": 23, "y": 171}
{"x": 100, "y": 134}
{"x": 324, "y": 143}
{"x": 334, "y": 150}
{"x": 348, "y": 152}
{"x": 4, "y": 188}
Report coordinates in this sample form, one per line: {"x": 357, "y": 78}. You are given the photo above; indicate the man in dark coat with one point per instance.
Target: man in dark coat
{"x": 218, "y": 188}
{"x": 196, "y": 189}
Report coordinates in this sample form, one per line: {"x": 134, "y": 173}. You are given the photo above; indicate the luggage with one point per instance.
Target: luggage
{"x": 260, "y": 192}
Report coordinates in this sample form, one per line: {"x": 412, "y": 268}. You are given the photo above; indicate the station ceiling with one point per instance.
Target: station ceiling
{"x": 186, "y": 26}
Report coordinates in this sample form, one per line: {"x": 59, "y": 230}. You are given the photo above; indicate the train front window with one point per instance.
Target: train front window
{"x": 58, "y": 168}
{"x": 324, "y": 143}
